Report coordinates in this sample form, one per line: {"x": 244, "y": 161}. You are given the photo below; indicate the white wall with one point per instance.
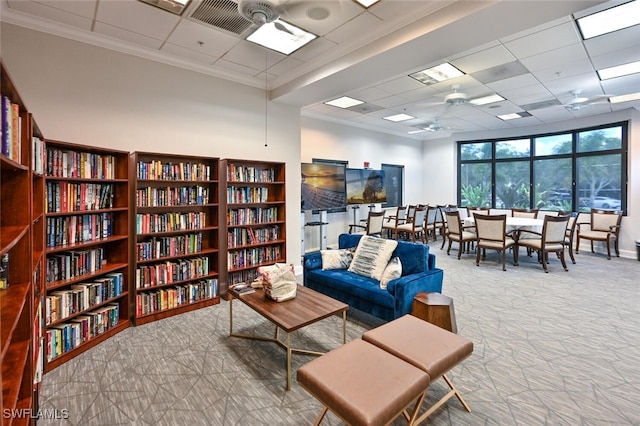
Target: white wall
{"x": 89, "y": 95}
{"x": 333, "y": 141}
{"x": 441, "y": 154}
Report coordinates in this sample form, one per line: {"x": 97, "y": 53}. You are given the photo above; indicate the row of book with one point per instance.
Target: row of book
{"x": 168, "y": 298}
{"x": 11, "y": 130}
{"x": 81, "y": 165}
{"x": 170, "y": 272}
{"x": 251, "y": 257}
{"x": 157, "y": 170}
{"x": 237, "y": 173}
{"x": 62, "y": 230}
{"x": 246, "y": 276}
{"x": 252, "y": 216}
{"x": 68, "y": 265}
{"x": 247, "y": 194}
{"x": 4, "y": 271}
{"x": 61, "y": 304}
{"x": 148, "y": 223}
{"x": 183, "y": 196}
{"x": 64, "y": 337}
{"x": 159, "y": 247}
{"x": 238, "y": 237}
{"x": 65, "y": 197}
{"x": 39, "y": 157}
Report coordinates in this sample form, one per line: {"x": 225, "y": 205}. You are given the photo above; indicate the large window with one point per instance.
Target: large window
{"x": 569, "y": 171}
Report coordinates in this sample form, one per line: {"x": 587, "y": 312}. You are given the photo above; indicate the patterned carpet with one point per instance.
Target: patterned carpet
{"x": 561, "y": 348}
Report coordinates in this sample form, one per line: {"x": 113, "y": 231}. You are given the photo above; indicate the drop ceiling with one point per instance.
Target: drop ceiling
{"x": 532, "y": 56}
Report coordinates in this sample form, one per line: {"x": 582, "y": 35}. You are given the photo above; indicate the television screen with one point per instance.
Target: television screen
{"x": 323, "y": 186}
{"x": 365, "y": 186}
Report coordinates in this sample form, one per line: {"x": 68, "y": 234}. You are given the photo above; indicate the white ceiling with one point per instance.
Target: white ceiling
{"x": 529, "y": 52}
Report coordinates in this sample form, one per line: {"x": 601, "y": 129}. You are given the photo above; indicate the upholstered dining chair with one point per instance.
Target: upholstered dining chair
{"x": 415, "y": 228}
{"x": 530, "y": 213}
{"x": 551, "y": 239}
{"x": 569, "y": 236}
{"x": 375, "y": 222}
{"x": 391, "y": 222}
{"x": 603, "y": 226}
{"x": 456, "y": 232}
{"x": 411, "y": 210}
{"x": 491, "y": 231}
{"x": 432, "y": 225}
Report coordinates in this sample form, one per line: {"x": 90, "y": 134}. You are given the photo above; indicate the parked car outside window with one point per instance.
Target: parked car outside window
{"x": 602, "y": 203}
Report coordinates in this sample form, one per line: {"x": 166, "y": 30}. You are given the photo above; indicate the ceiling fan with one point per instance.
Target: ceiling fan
{"x": 435, "y": 126}
{"x": 261, "y": 12}
{"x": 454, "y": 98}
{"x": 578, "y": 102}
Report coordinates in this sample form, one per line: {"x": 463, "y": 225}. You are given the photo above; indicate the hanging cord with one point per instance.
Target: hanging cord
{"x": 266, "y": 95}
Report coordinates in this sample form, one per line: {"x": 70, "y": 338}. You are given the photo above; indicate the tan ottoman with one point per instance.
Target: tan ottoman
{"x": 427, "y": 346}
{"x": 363, "y": 384}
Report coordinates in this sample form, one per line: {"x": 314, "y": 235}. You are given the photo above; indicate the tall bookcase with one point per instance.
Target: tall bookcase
{"x": 20, "y": 224}
{"x": 86, "y": 240}
{"x": 255, "y": 222}
{"x": 176, "y": 248}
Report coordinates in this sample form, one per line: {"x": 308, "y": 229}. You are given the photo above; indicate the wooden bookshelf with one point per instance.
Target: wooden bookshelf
{"x": 18, "y": 261}
{"x": 255, "y": 224}
{"x": 86, "y": 248}
{"x": 175, "y": 252}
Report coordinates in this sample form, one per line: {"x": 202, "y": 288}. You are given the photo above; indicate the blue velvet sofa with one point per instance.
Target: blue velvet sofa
{"x": 419, "y": 274}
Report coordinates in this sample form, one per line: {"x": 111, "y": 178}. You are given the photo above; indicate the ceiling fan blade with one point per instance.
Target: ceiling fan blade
{"x": 279, "y": 26}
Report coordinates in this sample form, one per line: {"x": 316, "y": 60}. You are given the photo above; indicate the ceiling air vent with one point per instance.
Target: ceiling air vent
{"x": 221, "y": 14}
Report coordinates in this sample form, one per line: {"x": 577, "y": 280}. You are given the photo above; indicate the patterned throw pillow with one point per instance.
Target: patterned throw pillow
{"x": 372, "y": 256}
{"x": 336, "y": 259}
{"x": 391, "y": 272}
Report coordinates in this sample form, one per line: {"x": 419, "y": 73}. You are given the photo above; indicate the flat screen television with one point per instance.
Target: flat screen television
{"x": 365, "y": 186}
{"x": 323, "y": 186}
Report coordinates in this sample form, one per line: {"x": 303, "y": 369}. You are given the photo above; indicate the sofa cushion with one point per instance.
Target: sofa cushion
{"x": 350, "y": 287}
{"x": 371, "y": 256}
{"x": 391, "y": 272}
{"x": 336, "y": 259}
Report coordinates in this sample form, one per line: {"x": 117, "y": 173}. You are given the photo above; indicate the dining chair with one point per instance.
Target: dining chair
{"x": 530, "y": 213}
{"x": 491, "y": 234}
{"x": 551, "y": 239}
{"x": 603, "y": 226}
{"x": 569, "y": 236}
{"x": 391, "y": 222}
{"x": 445, "y": 226}
{"x": 411, "y": 209}
{"x": 457, "y": 232}
{"x": 415, "y": 228}
{"x": 375, "y": 222}
{"x": 431, "y": 225}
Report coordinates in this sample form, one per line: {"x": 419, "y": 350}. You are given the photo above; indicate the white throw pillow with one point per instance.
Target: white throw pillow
{"x": 336, "y": 259}
{"x": 372, "y": 256}
{"x": 391, "y": 272}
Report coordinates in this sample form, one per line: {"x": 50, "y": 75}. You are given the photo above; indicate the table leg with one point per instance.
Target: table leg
{"x": 288, "y": 361}
{"x": 231, "y": 316}
{"x": 344, "y": 327}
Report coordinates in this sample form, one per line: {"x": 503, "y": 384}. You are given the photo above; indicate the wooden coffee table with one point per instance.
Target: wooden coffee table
{"x": 306, "y": 308}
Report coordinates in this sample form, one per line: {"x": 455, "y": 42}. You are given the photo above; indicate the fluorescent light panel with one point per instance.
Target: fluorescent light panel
{"x": 367, "y": 3}
{"x": 486, "y": 100}
{"x": 610, "y": 20}
{"x": 344, "y": 102}
{"x": 437, "y": 74}
{"x": 286, "y": 42}
{"x": 619, "y": 71}
{"x": 173, "y": 6}
{"x": 514, "y": 115}
{"x": 625, "y": 98}
{"x": 413, "y": 132}
{"x": 399, "y": 117}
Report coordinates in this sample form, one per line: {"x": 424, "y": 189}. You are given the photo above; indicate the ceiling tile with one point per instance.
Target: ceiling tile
{"x": 314, "y": 49}
{"x": 50, "y": 13}
{"x": 514, "y": 82}
{"x": 128, "y": 36}
{"x": 391, "y": 101}
{"x": 484, "y": 59}
{"x": 137, "y": 17}
{"x": 500, "y": 72}
{"x": 251, "y": 55}
{"x": 563, "y": 70}
{"x": 284, "y": 66}
{"x": 618, "y": 57}
{"x": 297, "y": 13}
{"x": 400, "y": 85}
{"x": 544, "y": 41}
{"x": 84, "y": 8}
{"x": 235, "y": 67}
{"x": 553, "y": 58}
{"x": 622, "y": 85}
{"x": 626, "y": 39}
{"x": 214, "y": 42}
{"x": 353, "y": 29}
{"x": 188, "y": 53}
{"x": 588, "y": 83}
{"x": 369, "y": 94}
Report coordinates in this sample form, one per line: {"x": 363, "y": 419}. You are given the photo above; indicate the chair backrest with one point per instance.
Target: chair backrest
{"x": 606, "y": 220}
{"x": 431, "y": 215}
{"x": 419, "y": 217}
{"x": 401, "y": 214}
{"x": 530, "y": 213}
{"x": 554, "y": 229}
{"x": 481, "y": 210}
{"x": 411, "y": 210}
{"x": 375, "y": 223}
{"x": 491, "y": 227}
{"x": 543, "y": 213}
{"x": 453, "y": 222}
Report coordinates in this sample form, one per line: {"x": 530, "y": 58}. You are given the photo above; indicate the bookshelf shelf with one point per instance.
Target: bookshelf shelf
{"x": 255, "y": 224}
{"x": 85, "y": 273}
{"x": 176, "y": 252}
{"x": 20, "y": 257}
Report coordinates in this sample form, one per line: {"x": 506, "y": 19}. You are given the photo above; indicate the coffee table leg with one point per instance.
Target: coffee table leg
{"x": 344, "y": 327}
{"x": 288, "y": 361}
{"x": 231, "y": 316}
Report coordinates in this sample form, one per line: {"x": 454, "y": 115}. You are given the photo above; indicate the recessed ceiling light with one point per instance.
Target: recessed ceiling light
{"x": 625, "y": 98}
{"x": 609, "y": 20}
{"x": 173, "y": 6}
{"x": 413, "y": 132}
{"x": 399, "y": 117}
{"x": 619, "y": 71}
{"x": 367, "y": 3}
{"x": 437, "y": 74}
{"x": 281, "y": 36}
{"x": 514, "y": 115}
{"x": 344, "y": 102}
{"x": 486, "y": 100}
